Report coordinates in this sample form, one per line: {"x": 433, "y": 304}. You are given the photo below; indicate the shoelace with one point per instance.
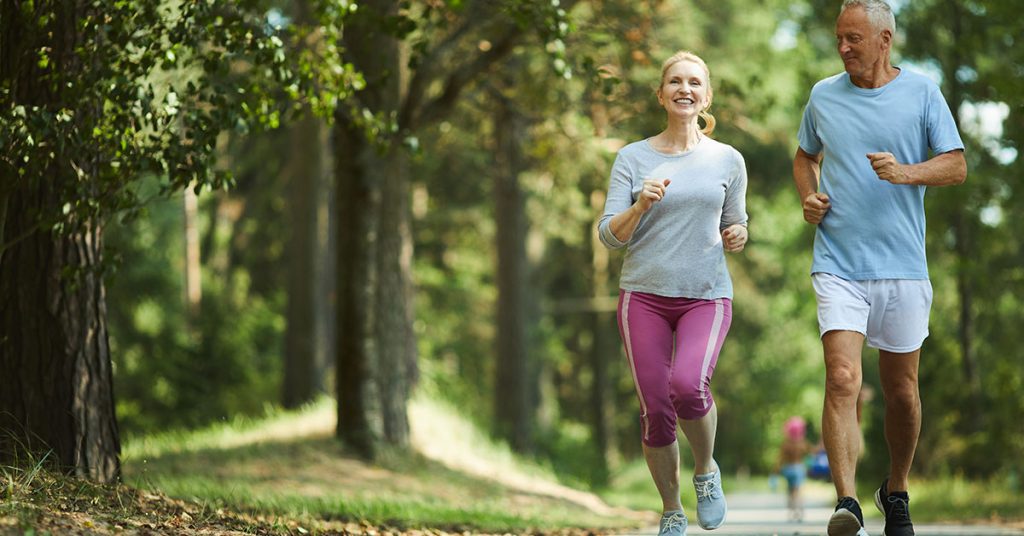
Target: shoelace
{"x": 704, "y": 488}
{"x": 898, "y": 509}
{"x": 672, "y": 521}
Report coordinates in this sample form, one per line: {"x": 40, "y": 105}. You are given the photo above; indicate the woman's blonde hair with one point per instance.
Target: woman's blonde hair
{"x": 685, "y": 55}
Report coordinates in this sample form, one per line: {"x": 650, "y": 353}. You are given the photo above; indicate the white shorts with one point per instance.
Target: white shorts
{"x": 892, "y": 314}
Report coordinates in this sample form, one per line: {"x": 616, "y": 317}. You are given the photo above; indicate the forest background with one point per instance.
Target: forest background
{"x": 406, "y": 200}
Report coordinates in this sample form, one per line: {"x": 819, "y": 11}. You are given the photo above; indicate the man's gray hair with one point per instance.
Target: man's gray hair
{"x": 878, "y": 11}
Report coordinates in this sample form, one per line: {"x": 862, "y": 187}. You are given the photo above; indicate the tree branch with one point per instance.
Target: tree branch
{"x": 429, "y": 66}
{"x": 439, "y": 106}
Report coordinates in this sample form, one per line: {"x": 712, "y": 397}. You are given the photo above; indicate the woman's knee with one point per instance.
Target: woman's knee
{"x": 659, "y": 426}
{"x": 693, "y": 404}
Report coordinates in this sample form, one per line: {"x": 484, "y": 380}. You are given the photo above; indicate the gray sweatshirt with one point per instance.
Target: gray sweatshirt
{"x": 676, "y": 250}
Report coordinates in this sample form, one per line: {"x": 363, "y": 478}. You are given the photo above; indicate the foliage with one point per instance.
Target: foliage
{"x": 148, "y": 91}
{"x": 164, "y": 81}
{"x": 173, "y": 372}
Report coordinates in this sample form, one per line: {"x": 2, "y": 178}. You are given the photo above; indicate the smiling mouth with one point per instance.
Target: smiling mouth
{"x": 683, "y": 100}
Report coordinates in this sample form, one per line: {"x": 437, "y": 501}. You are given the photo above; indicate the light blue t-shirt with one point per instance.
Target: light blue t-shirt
{"x": 676, "y": 250}
{"x": 875, "y": 229}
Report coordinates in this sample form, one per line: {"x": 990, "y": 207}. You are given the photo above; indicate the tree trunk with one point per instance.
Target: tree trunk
{"x": 963, "y": 232}
{"x": 300, "y": 336}
{"x": 513, "y": 403}
{"x": 324, "y": 262}
{"x": 376, "y": 361}
{"x": 54, "y": 352}
{"x": 193, "y": 266}
{"x": 601, "y": 329}
{"x": 57, "y": 396}
{"x": 358, "y": 199}
{"x": 394, "y": 333}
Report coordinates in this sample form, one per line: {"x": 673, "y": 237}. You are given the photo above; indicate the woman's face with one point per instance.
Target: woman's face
{"x": 684, "y": 90}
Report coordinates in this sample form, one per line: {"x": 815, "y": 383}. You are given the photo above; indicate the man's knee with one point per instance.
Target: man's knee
{"x": 843, "y": 380}
{"x": 902, "y": 392}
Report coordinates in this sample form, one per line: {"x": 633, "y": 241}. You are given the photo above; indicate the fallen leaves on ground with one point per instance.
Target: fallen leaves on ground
{"x": 61, "y": 505}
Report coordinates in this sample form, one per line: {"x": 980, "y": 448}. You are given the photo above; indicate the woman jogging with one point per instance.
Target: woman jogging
{"x": 676, "y": 202}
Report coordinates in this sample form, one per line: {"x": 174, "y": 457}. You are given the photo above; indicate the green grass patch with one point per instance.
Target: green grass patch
{"x": 288, "y": 465}
{"x": 954, "y": 498}
{"x": 239, "y": 430}
{"x": 20, "y": 487}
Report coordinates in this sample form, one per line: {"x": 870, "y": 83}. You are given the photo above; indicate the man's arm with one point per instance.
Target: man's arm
{"x": 806, "y": 171}
{"x": 946, "y": 169}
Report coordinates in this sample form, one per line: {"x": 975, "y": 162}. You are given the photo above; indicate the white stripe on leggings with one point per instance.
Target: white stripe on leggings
{"x": 709, "y": 352}
{"x": 632, "y": 363}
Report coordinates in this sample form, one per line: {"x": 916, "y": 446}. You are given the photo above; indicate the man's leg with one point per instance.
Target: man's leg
{"x": 898, "y": 373}
{"x": 839, "y": 428}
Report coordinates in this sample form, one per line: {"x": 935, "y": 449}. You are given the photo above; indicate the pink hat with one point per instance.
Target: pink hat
{"x": 795, "y": 427}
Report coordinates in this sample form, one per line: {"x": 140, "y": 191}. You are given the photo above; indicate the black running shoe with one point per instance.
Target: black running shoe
{"x": 847, "y": 520}
{"x": 896, "y": 508}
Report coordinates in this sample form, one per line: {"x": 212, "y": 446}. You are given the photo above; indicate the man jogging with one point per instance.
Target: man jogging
{"x": 872, "y": 138}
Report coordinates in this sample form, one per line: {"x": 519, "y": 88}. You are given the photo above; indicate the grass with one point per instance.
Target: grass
{"x": 940, "y": 500}
{"x": 35, "y": 500}
{"x": 631, "y": 487}
{"x": 288, "y": 465}
{"x": 18, "y": 484}
{"x": 286, "y": 474}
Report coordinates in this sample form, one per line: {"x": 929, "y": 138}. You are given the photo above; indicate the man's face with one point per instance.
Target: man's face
{"x": 860, "y": 45}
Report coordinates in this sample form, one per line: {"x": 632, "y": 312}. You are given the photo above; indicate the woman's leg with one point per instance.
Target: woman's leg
{"x": 663, "y": 463}
{"x": 700, "y": 433}
{"x": 700, "y": 333}
{"x": 647, "y": 337}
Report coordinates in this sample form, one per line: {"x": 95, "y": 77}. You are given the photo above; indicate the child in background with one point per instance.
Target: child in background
{"x": 791, "y": 463}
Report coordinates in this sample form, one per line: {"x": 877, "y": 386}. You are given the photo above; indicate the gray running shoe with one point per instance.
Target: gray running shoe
{"x": 673, "y": 524}
{"x": 711, "y": 507}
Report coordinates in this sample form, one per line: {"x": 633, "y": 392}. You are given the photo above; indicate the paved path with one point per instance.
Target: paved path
{"x": 764, "y": 514}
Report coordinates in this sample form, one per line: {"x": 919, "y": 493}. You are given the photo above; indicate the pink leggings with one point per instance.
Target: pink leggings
{"x": 672, "y": 345}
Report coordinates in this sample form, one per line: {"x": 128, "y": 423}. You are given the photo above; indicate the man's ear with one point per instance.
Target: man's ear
{"x": 887, "y": 38}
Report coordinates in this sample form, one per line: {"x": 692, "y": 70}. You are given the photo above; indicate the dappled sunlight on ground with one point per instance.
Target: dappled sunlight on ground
{"x": 453, "y": 466}
{"x": 465, "y": 449}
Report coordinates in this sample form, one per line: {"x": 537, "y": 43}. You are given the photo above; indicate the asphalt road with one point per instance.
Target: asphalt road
{"x": 765, "y": 514}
